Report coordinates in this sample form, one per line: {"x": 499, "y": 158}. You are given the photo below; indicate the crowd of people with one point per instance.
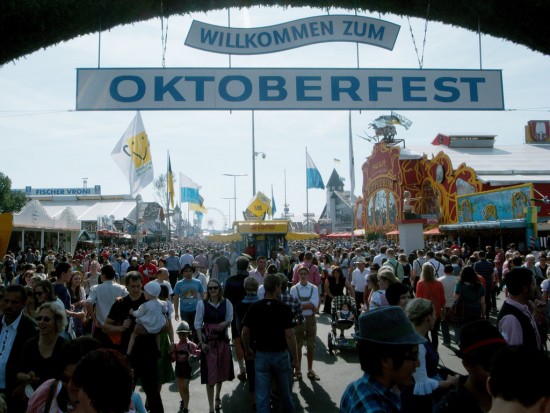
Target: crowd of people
{"x": 63, "y": 314}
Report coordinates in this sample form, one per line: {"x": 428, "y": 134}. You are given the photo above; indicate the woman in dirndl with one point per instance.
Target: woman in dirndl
{"x": 213, "y": 317}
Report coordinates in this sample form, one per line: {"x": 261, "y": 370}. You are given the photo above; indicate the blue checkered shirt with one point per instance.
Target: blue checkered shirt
{"x": 294, "y": 305}
{"x": 368, "y": 395}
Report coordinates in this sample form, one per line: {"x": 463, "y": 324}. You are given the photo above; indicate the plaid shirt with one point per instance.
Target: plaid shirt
{"x": 294, "y": 305}
{"x": 368, "y": 395}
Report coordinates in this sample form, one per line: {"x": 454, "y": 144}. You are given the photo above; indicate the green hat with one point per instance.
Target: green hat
{"x": 387, "y": 325}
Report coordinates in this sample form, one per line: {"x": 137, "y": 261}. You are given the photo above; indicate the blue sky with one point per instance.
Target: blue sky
{"x": 48, "y": 144}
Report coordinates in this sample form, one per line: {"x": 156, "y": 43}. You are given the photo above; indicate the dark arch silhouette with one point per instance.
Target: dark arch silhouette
{"x": 27, "y": 26}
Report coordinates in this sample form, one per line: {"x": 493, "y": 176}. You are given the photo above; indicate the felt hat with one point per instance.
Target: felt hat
{"x": 479, "y": 339}
{"x": 183, "y": 328}
{"x": 387, "y": 325}
{"x": 152, "y": 288}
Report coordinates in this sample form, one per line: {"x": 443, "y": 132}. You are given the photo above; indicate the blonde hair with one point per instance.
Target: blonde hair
{"x": 428, "y": 272}
{"x": 60, "y": 317}
{"x": 387, "y": 273}
{"x": 418, "y": 309}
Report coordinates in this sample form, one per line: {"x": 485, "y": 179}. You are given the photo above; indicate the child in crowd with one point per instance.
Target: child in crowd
{"x": 151, "y": 314}
{"x": 183, "y": 351}
{"x": 345, "y": 313}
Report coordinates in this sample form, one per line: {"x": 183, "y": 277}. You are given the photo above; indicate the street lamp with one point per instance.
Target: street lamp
{"x": 235, "y": 176}
{"x": 254, "y": 169}
{"x": 138, "y": 204}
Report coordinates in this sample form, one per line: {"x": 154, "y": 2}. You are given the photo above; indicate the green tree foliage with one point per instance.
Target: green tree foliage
{"x": 10, "y": 201}
{"x": 373, "y": 236}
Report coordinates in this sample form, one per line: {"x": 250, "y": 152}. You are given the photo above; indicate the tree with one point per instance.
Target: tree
{"x": 161, "y": 190}
{"x": 10, "y": 201}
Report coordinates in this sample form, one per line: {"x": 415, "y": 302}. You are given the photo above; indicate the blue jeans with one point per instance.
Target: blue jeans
{"x": 222, "y": 278}
{"x": 275, "y": 365}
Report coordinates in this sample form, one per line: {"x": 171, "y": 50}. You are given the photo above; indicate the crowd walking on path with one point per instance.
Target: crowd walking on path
{"x": 72, "y": 324}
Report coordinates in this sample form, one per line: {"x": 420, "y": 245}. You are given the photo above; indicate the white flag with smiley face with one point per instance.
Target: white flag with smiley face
{"x": 132, "y": 153}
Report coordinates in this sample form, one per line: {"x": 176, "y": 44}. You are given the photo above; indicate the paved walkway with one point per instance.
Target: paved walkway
{"x": 336, "y": 372}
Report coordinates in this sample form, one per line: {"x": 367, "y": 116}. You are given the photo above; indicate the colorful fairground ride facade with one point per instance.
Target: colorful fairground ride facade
{"x": 483, "y": 192}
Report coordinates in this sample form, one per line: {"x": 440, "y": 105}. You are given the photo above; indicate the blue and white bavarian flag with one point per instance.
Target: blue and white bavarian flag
{"x": 189, "y": 190}
{"x": 314, "y": 179}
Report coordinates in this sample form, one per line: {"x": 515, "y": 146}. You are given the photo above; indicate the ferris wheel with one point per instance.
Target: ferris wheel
{"x": 216, "y": 221}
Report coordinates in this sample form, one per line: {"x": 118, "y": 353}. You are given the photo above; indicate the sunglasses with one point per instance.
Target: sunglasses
{"x": 44, "y": 318}
{"x": 214, "y": 288}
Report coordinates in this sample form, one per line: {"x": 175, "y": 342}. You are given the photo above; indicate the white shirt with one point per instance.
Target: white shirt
{"x": 378, "y": 259}
{"x": 151, "y": 314}
{"x": 103, "y": 296}
{"x": 202, "y": 278}
{"x": 359, "y": 279}
{"x": 124, "y": 267}
{"x": 308, "y": 293}
{"x": 423, "y": 385}
{"x": 199, "y": 315}
{"x": 449, "y": 282}
{"x": 438, "y": 267}
{"x": 7, "y": 337}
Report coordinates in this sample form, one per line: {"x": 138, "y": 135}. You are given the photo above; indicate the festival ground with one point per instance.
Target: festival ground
{"x": 336, "y": 372}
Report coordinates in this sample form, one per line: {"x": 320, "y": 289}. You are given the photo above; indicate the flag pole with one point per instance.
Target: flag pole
{"x": 168, "y": 197}
{"x": 307, "y": 199}
{"x": 351, "y": 177}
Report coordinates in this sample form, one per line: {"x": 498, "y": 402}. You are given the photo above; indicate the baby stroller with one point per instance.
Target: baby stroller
{"x": 335, "y": 341}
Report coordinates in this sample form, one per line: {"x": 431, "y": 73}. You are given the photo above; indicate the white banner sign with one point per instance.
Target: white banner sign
{"x": 297, "y": 33}
{"x": 288, "y": 89}
{"x": 31, "y": 192}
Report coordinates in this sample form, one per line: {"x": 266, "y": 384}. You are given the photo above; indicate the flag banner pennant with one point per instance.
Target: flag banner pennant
{"x": 170, "y": 183}
{"x": 402, "y": 120}
{"x": 132, "y": 154}
{"x": 189, "y": 190}
{"x": 259, "y": 205}
{"x": 198, "y": 206}
{"x": 385, "y": 120}
{"x": 273, "y": 207}
{"x": 314, "y": 179}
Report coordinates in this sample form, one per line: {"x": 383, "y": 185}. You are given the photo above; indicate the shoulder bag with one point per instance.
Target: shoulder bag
{"x": 455, "y": 314}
